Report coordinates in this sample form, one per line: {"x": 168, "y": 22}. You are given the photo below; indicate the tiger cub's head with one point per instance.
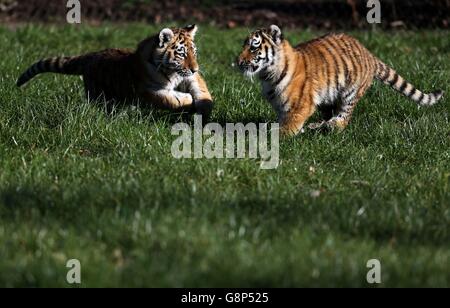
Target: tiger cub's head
{"x": 172, "y": 50}
{"x": 259, "y": 50}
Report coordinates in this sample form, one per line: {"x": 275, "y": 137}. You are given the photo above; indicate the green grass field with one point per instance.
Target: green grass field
{"x": 77, "y": 182}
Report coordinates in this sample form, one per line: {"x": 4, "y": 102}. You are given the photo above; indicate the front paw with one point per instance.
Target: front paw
{"x": 287, "y": 132}
{"x": 185, "y": 99}
{"x": 204, "y": 107}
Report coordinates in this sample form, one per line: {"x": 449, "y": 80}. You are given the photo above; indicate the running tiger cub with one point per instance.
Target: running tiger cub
{"x": 159, "y": 70}
{"x": 331, "y": 73}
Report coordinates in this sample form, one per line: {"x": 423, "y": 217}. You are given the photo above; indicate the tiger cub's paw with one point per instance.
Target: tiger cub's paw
{"x": 288, "y": 132}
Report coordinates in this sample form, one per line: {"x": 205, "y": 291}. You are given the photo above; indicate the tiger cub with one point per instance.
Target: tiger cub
{"x": 163, "y": 71}
{"x": 330, "y": 73}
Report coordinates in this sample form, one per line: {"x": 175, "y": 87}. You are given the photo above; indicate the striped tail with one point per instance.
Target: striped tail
{"x": 390, "y": 77}
{"x": 66, "y": 65}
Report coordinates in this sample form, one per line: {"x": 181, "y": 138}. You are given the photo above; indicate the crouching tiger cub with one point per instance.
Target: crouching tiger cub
{"x": 331, "y": 73}
{"x": 163, "y": 71}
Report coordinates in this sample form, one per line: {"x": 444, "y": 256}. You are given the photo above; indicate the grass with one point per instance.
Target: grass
{"x": 76, "y": 182}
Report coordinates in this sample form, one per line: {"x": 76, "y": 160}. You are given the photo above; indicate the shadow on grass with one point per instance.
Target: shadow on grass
{"x": 169, "y": 117}
{"x": 278, "y": 217}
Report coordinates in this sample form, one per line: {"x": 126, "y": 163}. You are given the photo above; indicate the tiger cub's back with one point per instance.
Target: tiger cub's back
{"x": 336, "y": 62}
{"x": 114, "y": 74}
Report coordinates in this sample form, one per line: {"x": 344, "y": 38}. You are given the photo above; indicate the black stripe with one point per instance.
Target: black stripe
{"x": 414, "y": 92}
{"x": 283, "y": 74}
{"x": 284, "y": 88}
{"x": 352, "y": 92}
{"x": 364, "y": 58}
{"x": 179, "y": 102}
{"x": 393, "y": 82}
{"x": 302, "y": 88}
{"x": 266, "y": 51}
{"x": 351, "y": 57}
{"x": 284, "y": 103}
{"x": 432, "y": 98}
{"x": 336, "y": 47}
{"x": 385, "y": 72}
{"x": 346, "y": 71}
{"x": 344, "y": 57}
{"x": 411, "y": 92}
{"x": 325, "y": 68}
{"x": 357, "y": 47}
{"x": 403, "y": 86}
{"x": 328, "y": 72}
{"x": 338, "y": 67}
{"x": 355, "y": 60}
{"x": 421, "y": 97}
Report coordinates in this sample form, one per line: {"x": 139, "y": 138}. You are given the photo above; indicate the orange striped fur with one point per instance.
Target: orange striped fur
{"x": 330, "y": 73}
{"x": 163, "y": 71}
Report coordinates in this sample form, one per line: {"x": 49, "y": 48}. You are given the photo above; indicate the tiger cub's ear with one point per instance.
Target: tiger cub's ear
{"x": 192, "y": 30}
{"x": 165, "y": 36}
{"x": 276, "y": 34}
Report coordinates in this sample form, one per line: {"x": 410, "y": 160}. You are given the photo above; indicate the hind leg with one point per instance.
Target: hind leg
{"x": 349, "y": 100}
{"x": 327, "y": 112}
